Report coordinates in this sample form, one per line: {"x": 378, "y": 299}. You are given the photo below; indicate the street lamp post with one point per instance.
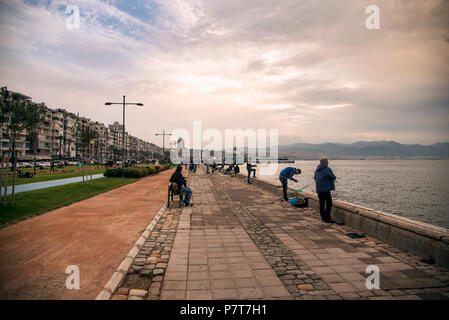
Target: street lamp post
{"x": 123, "y": 133}
{"x": 163, "y": 134}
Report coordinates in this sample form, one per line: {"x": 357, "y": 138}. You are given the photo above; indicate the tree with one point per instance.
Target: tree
{"x": 33, "y": 141}
{"x": 17, "y": 113}
{"x": 69, "y": 143}
{"x": 60, "y": 138}
{"x": 86, "y": 135}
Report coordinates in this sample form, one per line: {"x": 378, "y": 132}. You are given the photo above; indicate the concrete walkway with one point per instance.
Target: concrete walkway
{"x": 49, "y": 184}
{"x": 240, "y": 242}
{"x": 94, "y": 234}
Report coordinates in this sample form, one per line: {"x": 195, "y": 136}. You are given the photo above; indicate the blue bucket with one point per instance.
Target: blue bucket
{"x": 292, "y": 201}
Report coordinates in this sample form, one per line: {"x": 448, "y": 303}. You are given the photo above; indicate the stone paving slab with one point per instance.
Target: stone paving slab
{"x": 239, "y": 241}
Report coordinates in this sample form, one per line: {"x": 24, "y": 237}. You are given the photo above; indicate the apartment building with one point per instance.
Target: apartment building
{"x": 57, "y": 136}
{"x": 22, "y": 144}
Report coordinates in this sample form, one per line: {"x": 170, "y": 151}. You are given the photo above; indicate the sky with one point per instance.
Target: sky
{"x": 309, "y": 68}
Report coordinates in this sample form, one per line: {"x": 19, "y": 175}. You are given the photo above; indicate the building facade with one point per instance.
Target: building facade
{"x": 58, "y": 134}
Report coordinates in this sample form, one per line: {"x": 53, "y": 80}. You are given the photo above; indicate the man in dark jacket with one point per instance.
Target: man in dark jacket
{"x": 324, "y": 179}
{"x": 179, "y": 179}
{"x": 287, "y": 173}
{"x": 250, "y": 168}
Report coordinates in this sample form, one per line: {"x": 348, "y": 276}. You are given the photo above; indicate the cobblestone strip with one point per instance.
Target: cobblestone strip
{"x": 119, "y": 275}
{"x": 144, "y": 278}
{"x": 297, "y": 276}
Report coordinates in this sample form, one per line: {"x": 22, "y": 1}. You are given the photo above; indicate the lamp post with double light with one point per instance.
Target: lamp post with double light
{"x": 124, "y": 103}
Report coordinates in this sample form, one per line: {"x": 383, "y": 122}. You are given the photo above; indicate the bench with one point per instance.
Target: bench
{"x": 171, "y": 192}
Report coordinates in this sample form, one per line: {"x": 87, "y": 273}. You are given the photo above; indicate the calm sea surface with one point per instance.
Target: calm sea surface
{"x": 416, "y": 189}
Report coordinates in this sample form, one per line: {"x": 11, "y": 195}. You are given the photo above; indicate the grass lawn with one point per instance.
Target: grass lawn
{"x": 52, "y": 176}
{"x": 32, "y": 203}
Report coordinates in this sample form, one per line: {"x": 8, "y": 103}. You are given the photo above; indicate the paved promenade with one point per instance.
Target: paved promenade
{"x": 240, "y": 242}
{"x": 94, "y": 234}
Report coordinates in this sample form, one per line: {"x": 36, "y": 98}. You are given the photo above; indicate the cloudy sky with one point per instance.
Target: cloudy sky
{"x": 306, "y": 67}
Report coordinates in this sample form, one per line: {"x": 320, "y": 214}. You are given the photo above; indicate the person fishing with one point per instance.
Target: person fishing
{"x": 285, "y": 175}
{"x": 324, "y": 180}
{"x": 250, "y": 168}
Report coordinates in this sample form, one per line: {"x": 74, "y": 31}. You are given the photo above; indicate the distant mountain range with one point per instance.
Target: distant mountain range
{"x": 365, "y": 149}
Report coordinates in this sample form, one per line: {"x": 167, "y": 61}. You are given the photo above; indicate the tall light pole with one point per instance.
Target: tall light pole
{"x": 123, "y": 134}
{"x": 163, "y": 134}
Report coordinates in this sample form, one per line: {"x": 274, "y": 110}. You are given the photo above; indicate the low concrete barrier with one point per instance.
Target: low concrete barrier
{"x": 425, "y": 240}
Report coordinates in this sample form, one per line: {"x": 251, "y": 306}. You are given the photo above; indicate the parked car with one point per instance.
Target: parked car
{"x": 43, "y": 164}
{"x": 59, "y": 164}
{"x": 20, "y": 164}
{"x": 6, "y": 165}
{"x": 23, "y": 164}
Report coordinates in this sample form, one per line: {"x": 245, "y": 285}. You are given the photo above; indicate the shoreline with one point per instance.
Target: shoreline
{"x": 413, "y": 189}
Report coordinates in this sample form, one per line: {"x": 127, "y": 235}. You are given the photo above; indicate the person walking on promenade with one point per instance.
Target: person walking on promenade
{"x": 179, "y": 179}
{"x": 250, "y": 168}
{"x": 287, "y": 173}
{"x": 52, "y": 166}
{"x": 324, "y": 179}
{"x": 157, "y": 166}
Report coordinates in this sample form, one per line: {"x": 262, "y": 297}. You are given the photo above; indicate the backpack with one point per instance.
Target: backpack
{"x": 303, "y": 204}
{"x": 175, "y": 188}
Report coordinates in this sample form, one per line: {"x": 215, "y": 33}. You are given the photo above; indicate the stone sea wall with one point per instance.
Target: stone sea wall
{"x": 425, "y": 240}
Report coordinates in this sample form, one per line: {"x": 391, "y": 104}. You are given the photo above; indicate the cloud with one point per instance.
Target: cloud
{"x": 309, "y": 68}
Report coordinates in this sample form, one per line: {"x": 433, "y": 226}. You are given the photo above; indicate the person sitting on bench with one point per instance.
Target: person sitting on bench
{"x": 179, "y": 179}
{"x": 229, "y": 169}
{"x": 236, "y": 170}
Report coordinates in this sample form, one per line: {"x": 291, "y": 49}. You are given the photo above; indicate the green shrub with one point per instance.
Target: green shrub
{"x": 113, "y": 172}
{"x": 135, "y": 172}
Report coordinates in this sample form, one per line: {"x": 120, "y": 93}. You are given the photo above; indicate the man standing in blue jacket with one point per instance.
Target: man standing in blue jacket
{"x": 285, "y": 174}
{"x": 324, "y": 179}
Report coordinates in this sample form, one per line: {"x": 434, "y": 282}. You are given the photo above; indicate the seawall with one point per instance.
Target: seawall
{"x": 425, "y": 240}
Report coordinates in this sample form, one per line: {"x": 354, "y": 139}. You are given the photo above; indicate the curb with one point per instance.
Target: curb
{"x": 119, "y": 275}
